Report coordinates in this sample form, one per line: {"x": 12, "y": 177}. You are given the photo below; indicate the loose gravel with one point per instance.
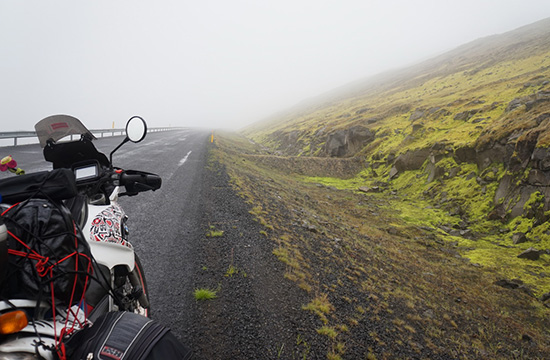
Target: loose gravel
{"x": 257, "y": 312}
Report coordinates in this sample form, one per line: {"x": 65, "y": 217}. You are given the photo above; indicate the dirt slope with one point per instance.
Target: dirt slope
{"x": 323, "y": 273}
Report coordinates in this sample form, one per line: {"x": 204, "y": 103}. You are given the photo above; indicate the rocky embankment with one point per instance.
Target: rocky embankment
{"x": 516, "y": 157}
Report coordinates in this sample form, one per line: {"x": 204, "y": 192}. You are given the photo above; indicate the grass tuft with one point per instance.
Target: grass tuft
{"x": 321, "y": 306}
{"x": 204, "y": 294}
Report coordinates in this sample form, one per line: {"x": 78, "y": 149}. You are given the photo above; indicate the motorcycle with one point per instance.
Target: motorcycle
{"x": 99, "y": 271}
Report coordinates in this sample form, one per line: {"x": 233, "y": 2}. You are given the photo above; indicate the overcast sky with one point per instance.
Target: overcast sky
{"x": 218, "y": 63}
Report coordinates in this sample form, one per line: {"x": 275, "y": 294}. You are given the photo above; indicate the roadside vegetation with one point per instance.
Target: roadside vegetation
{"x": 424, "y": 260}
{"x": 383, "y": 281}
{"x": 212, "y": 232}
{"x": 204, "y": 294}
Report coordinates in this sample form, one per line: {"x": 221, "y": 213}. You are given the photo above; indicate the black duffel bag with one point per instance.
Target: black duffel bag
{"x": 125, "y": 335}
{"x": 48, "y": 255}
{"x": 59, "y": 184}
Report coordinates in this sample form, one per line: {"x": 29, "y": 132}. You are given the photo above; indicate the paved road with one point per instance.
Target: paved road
{"x": 164, "y": 223}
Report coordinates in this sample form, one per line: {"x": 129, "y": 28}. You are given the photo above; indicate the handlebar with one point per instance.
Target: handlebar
{"x": 92, "y": 176}
{"x": 137, "y": 181}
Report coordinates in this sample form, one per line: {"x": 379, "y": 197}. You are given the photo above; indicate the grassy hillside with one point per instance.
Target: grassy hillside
{"x": 430, "y": 208}
{"x": 449, "y": 185}
{"x": 484, "y": 75}
{"x": 480, "y": 94}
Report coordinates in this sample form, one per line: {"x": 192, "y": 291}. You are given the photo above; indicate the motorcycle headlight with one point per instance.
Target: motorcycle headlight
{"x": 17, "y": 356}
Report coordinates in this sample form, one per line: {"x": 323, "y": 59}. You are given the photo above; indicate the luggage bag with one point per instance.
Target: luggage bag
{"x": 125, "y": 336}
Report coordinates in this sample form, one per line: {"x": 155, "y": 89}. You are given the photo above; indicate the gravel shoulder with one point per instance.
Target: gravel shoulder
{"x": 257, "y": 313}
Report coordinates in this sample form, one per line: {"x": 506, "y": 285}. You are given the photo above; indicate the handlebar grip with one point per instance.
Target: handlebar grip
{"x": 138, "y": 181}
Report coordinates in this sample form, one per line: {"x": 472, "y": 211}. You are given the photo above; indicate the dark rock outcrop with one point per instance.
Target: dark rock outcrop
{"x": 509, "y": 284}
{"x": 541, "y": 158}
{"x": 411, "y": 160}
{"x": 347, "y": 142}
{"x": 466, "y": 115}
{"x": 465, "y": 154}
{"x": 524, "y": 148}
{"x": 529, "y": 101}
{"x": 336, "y": 144}
{"x": 519, "y": 238}
{"x": 496, "y": 152}
{"x": 417, "y": 114}
{"x": 527, "y": 170}
{"x": 531, "y": 254}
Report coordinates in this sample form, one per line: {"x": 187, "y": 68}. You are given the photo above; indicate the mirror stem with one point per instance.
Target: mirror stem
{"x": 118, "y": 147}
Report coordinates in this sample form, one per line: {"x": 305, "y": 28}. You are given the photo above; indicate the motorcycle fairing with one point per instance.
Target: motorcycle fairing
{"x": 108, "y": 226}
{"x": 27, "y": 344}
{"x": 107, "y": 253}
{"x": 56, "y": 127}
{"x": 111, "y": 255}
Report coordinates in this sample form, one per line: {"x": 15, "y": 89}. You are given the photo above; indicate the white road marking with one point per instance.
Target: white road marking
{"x": 182, "y": 161}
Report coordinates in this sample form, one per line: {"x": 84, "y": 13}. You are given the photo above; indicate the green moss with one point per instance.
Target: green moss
{"x": 421, "y": 214}
{"x": 521, "y": 224}
{"x": 536, "y": 199}
{"x": 447, "y": 163}
{"x": 412, "y": 208}
{"x": 505, "y": 262}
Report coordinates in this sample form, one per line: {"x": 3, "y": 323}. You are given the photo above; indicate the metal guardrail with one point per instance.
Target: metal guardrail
{"x": 16, "y": 135}
{"x": 101, "y": 132}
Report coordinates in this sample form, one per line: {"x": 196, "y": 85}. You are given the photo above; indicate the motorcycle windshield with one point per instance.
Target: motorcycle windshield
{"x": 56, "y": 127}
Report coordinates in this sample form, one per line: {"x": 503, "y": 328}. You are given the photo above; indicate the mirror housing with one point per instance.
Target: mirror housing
{"x": 136, "y": 129}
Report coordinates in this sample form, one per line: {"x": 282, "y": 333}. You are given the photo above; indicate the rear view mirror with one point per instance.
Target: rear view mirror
{"x": 136, "y": 129}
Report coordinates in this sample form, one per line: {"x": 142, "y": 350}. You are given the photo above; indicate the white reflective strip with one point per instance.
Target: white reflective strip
{"x": 182, "y": 161}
